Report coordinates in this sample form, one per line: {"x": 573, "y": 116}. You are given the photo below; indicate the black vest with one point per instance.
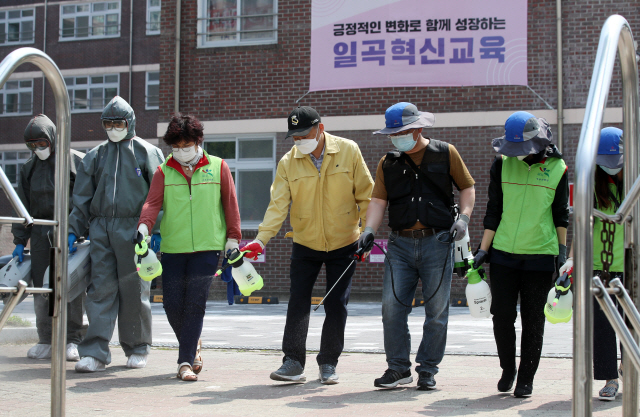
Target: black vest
{"x": 411, "y": 199}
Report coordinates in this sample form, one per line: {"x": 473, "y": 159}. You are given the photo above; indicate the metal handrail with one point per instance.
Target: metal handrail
{"x": 60, "y": 215}
{"x": 615, "y": 39}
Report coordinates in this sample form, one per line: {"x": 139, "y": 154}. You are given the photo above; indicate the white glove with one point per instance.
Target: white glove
{"x": 144, "y": 229}
{"x": 231, "y": 245}
{"x": 566, "y": 266}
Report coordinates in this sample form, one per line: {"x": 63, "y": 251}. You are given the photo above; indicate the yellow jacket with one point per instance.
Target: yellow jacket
{"x": 324, "y": 205}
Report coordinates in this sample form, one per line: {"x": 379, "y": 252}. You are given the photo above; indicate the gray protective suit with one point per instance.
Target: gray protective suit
{"x": 36, "y": 189}
{"x": 111, "y": 187}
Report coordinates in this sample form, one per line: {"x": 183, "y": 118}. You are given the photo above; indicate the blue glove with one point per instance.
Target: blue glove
{"x": 72, "y": 239}
{"x": 19, "y": 252}
{"x": 155, "y": 242}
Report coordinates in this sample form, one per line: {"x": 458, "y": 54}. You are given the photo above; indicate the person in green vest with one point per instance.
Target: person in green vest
{"x": 609, "y": 193}
{"x": 525, "y": 238}
{"x": 201, "y": 219}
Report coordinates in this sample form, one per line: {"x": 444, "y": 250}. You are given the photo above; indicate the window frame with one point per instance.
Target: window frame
{"x": 18, "y": 91}
{"x": 8, "y": 20}
{"x": 201, "y": 32}
{"x": 152, "y": 9}
{"x": 18, "y": 162}
{"x": 90, "y": 14}
{"x": 147, "y": 83}
{"x": 88, "y": 86}
{"x": 247, "y": 164}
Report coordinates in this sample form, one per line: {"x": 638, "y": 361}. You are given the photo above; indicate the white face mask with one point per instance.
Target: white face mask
{"x": 306, "y": 146}
{"x": 185, "y": 155}
{"x": 44, "y": 153}
{"x": 115, "y": 136}
{"x": 610, "y": 171}
{"x": 403, "y": 143}
{"x": 521, "y": 157}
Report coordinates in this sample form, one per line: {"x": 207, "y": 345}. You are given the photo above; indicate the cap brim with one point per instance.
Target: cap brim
{"x": 425, "y": 119}
{"x": 610, "y": 161}
{"x": 299, "y": 132}
{"x": 528, "y": 147}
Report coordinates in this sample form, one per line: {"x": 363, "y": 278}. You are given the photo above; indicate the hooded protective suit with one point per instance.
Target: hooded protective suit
{"x": 111, "y": 187}
{"x": 36, "y": 189}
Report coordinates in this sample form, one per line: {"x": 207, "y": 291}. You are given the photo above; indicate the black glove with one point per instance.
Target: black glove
{"x": 480, "y": 258}
{"x": 562, "y": 255}
{"x": 365, "y": 243}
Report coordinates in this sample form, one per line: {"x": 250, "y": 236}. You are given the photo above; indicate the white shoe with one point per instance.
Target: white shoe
{"x": 40, "y": 351}
{"x": 89, "y": 364}
{"x": 72, "y": 352}
{"x": 137, "y": 361}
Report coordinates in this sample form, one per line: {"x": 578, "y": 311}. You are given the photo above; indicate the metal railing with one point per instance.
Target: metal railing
{"x": 615, "y": 39}
{"x": 60, "y": 250}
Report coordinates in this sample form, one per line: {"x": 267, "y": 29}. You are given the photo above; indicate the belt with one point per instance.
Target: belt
{"x": 416, "y": 234}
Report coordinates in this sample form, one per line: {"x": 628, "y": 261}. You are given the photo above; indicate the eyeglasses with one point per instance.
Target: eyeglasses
{"x": 186, "y": 148}
{"x": 37, "y": 144}
{"x": 118, "y": 125}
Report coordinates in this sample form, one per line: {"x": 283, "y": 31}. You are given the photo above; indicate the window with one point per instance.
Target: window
{"x": 153, "y": 17}
{"x": 11, "y": 162}
{"x": 253, "y": 164}
{"x": 89, "y": 20}
{"x": 153, "y": 91}
{"x": 16, "y": 98}
{"x": 91, "y": 93}
{"x": 222, "y": 25}
{"x": 17, "y": 26}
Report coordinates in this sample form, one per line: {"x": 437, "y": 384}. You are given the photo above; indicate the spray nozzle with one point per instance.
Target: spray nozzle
{"x": 236, "y": 258}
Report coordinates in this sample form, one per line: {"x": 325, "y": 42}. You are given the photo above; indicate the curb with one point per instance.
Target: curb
{"x": 18, "y": 335}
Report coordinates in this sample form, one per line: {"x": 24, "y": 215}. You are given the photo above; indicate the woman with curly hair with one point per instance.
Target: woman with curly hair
{"x": 201, "y": 219}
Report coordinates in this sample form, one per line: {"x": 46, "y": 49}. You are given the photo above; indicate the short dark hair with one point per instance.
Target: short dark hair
{"x": 183, "y": 127}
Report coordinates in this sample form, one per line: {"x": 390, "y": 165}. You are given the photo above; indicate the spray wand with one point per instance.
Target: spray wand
{"x": 234, "y": 256}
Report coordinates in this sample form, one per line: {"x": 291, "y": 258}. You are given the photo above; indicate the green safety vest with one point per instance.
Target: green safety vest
{"x": 527, "y": 226}
{"x": 618, "y": 241}
{"x": 193, "y": 216}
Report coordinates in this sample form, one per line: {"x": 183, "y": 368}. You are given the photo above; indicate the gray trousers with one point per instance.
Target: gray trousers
{"x": 39, "y": 262}
{"x": 115, "y": 291}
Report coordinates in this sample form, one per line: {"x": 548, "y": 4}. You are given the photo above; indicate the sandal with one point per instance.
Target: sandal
{"x": 197, "y": 362}
{"x": 610, "y": 390}
{"x": 185, "y": 372}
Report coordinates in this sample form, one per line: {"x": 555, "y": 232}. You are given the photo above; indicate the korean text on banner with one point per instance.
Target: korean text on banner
{"x": 427, "y": 43}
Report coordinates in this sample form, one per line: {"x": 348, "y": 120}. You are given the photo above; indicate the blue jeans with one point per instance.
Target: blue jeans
{"x": 414, "y": 259}
{"x": 186, "y": 278}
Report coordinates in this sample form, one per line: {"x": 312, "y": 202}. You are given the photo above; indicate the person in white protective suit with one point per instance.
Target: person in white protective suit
{"x": 36, "y": 189}
{"x": 111, "y": 187}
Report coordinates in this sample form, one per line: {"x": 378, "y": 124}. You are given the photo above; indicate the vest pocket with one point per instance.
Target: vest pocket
{"x": 438, "y": 216}
{"x": 402, "y": 215}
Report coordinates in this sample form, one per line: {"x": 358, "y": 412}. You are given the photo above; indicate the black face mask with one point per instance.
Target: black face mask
{"x": 535, "y": 158}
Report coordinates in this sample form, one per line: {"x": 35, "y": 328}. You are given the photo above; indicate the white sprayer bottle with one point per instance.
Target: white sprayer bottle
{"x": 243, "y": 273}
{"x": 478, "y": 292}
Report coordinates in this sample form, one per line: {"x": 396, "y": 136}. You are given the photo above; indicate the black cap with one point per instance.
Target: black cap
{"x": 301, "y": 120}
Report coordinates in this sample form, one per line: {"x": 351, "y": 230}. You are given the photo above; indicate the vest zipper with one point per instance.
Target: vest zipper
{"x": 524, "y": 198}
{"x": 115, "y": 180}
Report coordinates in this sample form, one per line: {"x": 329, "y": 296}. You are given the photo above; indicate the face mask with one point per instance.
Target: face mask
{"x": 403, "y": 143}
{"x": 115, "y": 136}
{"x": 185, "y": 155}
{"x": 43, "y": 153}
{"x": 306, "y": 146}
{"x": 521, "y": 157}
{"x": 610, "y": 171}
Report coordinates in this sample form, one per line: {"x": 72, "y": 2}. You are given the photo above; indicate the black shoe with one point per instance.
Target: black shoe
{"x": 426, "y": 381}
{"x": 523, "y": 390}
{"x": 506, "y": 381}
{"x": 393, "y": 378}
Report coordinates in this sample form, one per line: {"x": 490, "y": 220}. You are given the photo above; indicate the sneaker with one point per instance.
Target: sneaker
{"x": 291, "y": 370}
{"x": 72, "y": 352}
{"x": 506, "y": 381}
{"x": 40, "y": 351}
{"x": 137, "y": 361}
{"x": 523, "y": 390}
{"x": 426, "y": 381}
{"x": 328, "y": 375}
{"x": 392, "y": 378}
{"x": 89, "y": 364}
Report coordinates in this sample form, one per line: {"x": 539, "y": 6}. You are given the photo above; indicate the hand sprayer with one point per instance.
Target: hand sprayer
{"x": 559, "y": 307}
{"x": 147, "y": 263}
{"x": 243, "y": 273}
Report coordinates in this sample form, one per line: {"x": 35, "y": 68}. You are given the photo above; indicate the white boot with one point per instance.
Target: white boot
{"x": 40, "y": 351}
{"x": 89, "y": 364}
{"x": 72, "y": 352}
{"x": 137, "y": 361}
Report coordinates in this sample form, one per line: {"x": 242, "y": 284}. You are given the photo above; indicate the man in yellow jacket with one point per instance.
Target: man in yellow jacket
{"x": 328, "y": 185}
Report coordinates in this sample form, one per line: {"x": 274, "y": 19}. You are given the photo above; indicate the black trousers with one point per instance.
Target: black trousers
{"x": 605, "y": 351}
{"x": 533, "y": 287}
{"x": 305, "y": 266}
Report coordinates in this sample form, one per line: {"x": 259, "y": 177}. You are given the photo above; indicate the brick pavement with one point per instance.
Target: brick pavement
{"x": 236, "y": 383}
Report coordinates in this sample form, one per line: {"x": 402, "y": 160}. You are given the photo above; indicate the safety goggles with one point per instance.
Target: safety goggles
{"x": 117, "y": 125}
{"x": 37, "y": 144}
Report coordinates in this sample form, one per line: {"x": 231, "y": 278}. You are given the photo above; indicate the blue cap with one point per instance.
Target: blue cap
{"x": 524, "y": 134}
{"x": 610, "y": 148}
{"x": 405, "y": 116}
